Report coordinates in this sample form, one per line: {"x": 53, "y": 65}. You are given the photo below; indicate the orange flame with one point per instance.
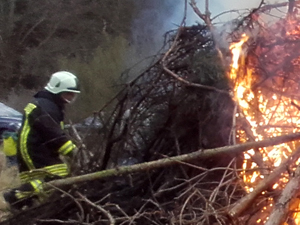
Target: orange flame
{"x": 272, "y": 116}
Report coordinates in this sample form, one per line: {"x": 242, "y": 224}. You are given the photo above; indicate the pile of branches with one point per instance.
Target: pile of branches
{"x": 157, "y": 116}
{"x": 180, "y": 105}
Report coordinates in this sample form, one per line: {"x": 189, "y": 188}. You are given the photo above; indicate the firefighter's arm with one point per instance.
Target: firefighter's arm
{"x": 67, "y": 149}
{"x": 55, "y": 138}
{"x": 69, "y": 157}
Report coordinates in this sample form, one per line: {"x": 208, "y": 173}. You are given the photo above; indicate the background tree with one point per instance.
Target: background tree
{"x": 95, "y": 39}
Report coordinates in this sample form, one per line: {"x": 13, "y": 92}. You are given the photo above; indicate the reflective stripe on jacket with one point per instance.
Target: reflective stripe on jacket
{"x": 54, "y": 171}
{"x": 41, "y": 137}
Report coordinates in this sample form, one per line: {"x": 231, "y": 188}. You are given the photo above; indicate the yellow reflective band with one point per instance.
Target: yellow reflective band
{"x": 23, "y": 194}
{"x": 66, "y": 148}
{"x": 23, "y": 136}
{"x": 60, "y": 170}
{"x": 62, "y": 125}
{"x": 28, "y": 176}
{"x": 9, "y": 146}
{"x": 37, "y": 185}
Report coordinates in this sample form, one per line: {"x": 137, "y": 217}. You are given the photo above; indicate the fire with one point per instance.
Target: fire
{"x": 266, "y": 114}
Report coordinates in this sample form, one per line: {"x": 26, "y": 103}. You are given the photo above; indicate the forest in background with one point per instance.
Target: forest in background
{"x": 97, "y": 40}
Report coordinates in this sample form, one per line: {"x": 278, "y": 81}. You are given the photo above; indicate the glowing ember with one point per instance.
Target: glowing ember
{"x": 266, "y": 114}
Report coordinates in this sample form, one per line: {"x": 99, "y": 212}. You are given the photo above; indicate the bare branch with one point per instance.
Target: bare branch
{"x": 193, "y": 84}
{"x": 203, "y": 154}
{"x": 105, "y": 212}
{"x": 208, "y": 22}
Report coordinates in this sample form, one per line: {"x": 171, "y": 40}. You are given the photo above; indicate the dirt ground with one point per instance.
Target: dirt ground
{"x": 8, "y": 179}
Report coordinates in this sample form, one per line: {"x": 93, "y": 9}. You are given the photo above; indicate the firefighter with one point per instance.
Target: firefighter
{"x": 42, "y": 140}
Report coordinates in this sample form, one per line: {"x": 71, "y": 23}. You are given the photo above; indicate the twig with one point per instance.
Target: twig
{"x": 212, "y": 197}
{"x": 74, "y": 199}
{"x": 105, "y": 212}
{"x": 207, "y": 20}
{"x": 121, "y": 210}
{"x": 188, "y": 83}
{"x": 184, "y": 205}
{"x": 276, "y": 5}
{"x": 56, "y": 221}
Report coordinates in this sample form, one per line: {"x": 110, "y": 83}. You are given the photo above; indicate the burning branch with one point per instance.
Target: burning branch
{"x": 288, "y": 196}
{"x": 266, "y": 183}
{"x": 266, "y": 89}
{"x": 290, "y": 3}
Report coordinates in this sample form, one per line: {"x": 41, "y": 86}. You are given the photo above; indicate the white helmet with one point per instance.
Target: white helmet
{"x": 63, "y": 81}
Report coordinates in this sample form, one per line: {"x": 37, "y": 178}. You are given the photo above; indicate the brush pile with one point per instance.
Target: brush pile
{"x": 182, "y": 103}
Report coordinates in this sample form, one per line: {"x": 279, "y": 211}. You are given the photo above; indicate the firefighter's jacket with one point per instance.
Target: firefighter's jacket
{"x": 41, "y": 137}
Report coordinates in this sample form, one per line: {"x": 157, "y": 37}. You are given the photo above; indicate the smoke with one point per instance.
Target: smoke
{"x": 156, "y": 17}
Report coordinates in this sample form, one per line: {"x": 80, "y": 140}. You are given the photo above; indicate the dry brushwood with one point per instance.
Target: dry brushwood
{"x": 200, "y": 154}
{"x": 272, "y": 60}
{"x": 180, "y": 104}
{"x": 158, "y": 116}
{"x": 288, "y": 197}
{"x": 265, "y": 184}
